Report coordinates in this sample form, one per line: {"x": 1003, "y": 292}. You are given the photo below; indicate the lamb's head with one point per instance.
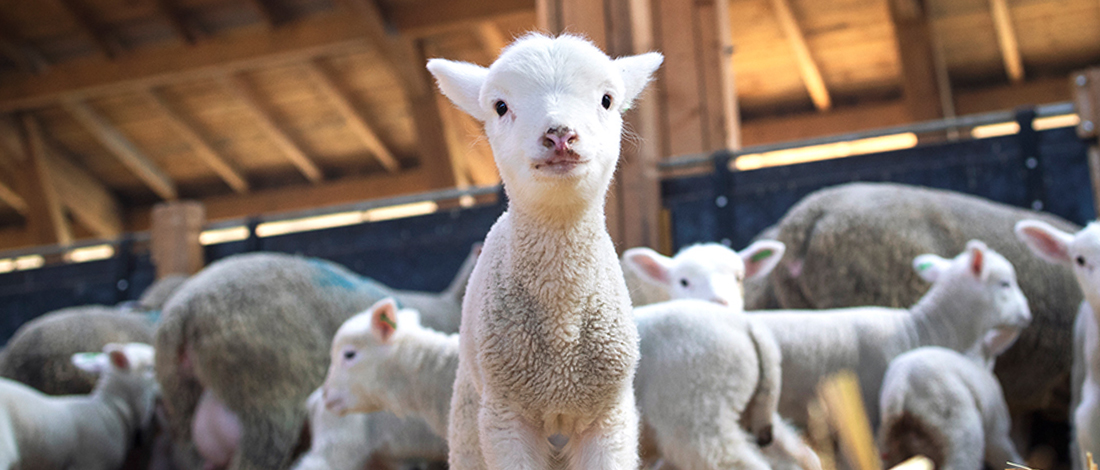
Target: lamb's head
{"x": 981, "y": 281}
{"x": 552, "y": 109}
{"x": 360, "y": 376}
{"x": 1080, "y": 251}
{"x": 126, "y": 372}
{"x": 707, "y": 271}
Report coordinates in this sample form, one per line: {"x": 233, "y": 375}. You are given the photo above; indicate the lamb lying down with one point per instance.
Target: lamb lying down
{"x": 80, "y": 431}
{"x": 948, "y": 407}
{"x": 382, "y": 359}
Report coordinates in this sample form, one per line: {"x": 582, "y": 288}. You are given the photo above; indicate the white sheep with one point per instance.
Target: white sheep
{"x": 382, "y": 359}
{"x": 948, "y": 407}
{"x": 1081, "y": 253}
{"x": 970, "y": 294}
{"x": 80, "y": 431}
{"x": 549, "y": 344}
{"x": 707, "y": 271}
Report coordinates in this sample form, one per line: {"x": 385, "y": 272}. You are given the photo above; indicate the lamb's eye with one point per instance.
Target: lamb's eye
{"x": 501, "y": 108}
{"x": 684, "y": 282}
{"x": 1080, "y": 261}
{"x": 349, "y": 355}
{"x": 1005, "y": 284}
{"x": 606, "y": 101}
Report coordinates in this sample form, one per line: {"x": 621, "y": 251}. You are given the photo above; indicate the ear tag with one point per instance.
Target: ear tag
{"x": 924, "y": 266}
{"x": 761, "y": 255}
{"x": 387, "y": 320}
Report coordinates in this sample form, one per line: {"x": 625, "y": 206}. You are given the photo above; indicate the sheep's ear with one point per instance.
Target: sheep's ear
{"x": 636, "y": 71}
{"x": 761, "y": 257}
{"x": 116, "y": 353}
{"x": 383, "y": 319}
{"x": 929, "y": 267}
{"x": 976, "y": 264}
{"x": 92, "y": 362}
{"x": 649, "y": 264}
{"x": 461, "y": 82}
{"x": 1048, "y": 242}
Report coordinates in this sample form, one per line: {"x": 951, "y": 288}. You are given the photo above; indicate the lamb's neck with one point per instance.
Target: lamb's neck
{"x": 425, "y": 366}
{"x": 945, "y": 318}
{"x": 557, "y": 220}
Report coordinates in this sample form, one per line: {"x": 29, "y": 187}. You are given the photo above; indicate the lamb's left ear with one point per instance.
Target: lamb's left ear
{"x": 761, "y": 257}
{"x": 383, "y": 319}
{"x": 636, "y": 71}
{"x": 977, "y": 250}
{"x": 461, "y": 82}
{"x": 92, "y": 362}
{"x": 117, "y": 355}
{"x": 929, "y": 266}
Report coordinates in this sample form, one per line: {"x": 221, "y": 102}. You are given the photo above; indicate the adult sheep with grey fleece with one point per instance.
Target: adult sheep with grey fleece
{"x": 39, "y": 352}
{"x": 250, "y": 335}
{"x": 851, "y": 245}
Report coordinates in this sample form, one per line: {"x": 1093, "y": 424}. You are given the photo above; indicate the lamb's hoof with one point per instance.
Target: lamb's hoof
{"x": 764, "y": 437}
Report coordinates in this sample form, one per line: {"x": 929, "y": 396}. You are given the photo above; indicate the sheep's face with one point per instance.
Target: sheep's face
{"x": 361, "y": 353}
{"x": 983, "y": 280}
{"x": 1080, "y": 251}
{"x": 552, "y": 109}
{"x": 709, "y": 271}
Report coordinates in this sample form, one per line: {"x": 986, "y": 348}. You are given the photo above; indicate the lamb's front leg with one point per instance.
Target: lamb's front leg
{"x": 462, "y": 432}
{"x": 1086, "y": 422}
{"x": 611, "y": 442}
{"x": 508, "y": 442}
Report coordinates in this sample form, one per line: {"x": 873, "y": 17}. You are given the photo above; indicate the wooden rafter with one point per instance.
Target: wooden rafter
{"x": 171, "y": 14}
{"x": 127, "y": 153}
{"x": 271, "y": 14}
{"x": 10, "y": 196}
{"x": 15, "y": 48}
{"x": 1006, "y": 38}
{"x": 356, "y": 121}
{"x": 88, "y": 200}
{"x": 202, "y": 148}
{"x": 80, "y": 15}
{"x": 46, "y": 220}
{"x": 254, "y": 104}
{"x": 807, "y": 66}
{"x": 428, "y": 17}
{"x": 916, "y": 52}
{"x": 491, "y": 38}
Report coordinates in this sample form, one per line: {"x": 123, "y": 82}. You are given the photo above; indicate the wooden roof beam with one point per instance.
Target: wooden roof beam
{"x": 123, "y": 149}
{"x": 83, "y": 19}
{"x": 171, "y": 14}
{"x": 11, "y": 197}
{"x": 46, "y": 220}
{"x": 428, "y": 17}
{"x": 491, "y": 38}
{"x": 202, "y": 148}
{"x": 88, "y": 200}
{"x": 356, "y": 121}
{"x": 807, "y": 67}
{"x": 916, "y": 50}
{"x": 1006, "y": 38}
{"x": 16, "y": 49}
{"x": 271, "y": 14}
{"x": 254, "y": 104}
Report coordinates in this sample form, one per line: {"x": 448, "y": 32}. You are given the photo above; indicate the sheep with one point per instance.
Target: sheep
{"x": 850, "y": 246}
{"x": 948, "y": 407}
{"x": 383, "y": 359}
{"x": 970, "y": 294}
{"x": 1079, "y": 252}
{"x": 708, "y": 271}
{"x": 549, "y": 346}
{"x": 80, "y": 431}
{"x": 254, "y": 331}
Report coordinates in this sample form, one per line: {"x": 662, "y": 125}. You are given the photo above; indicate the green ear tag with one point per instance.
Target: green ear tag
{"x": 760, "y": 255}
{"x": 88, "y": 355}
{"x": 386, "y": 319}
{"x": 924, "y": 266}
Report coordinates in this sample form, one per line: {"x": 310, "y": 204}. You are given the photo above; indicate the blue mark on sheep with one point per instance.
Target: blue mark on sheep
{"x": 328, "y": 276}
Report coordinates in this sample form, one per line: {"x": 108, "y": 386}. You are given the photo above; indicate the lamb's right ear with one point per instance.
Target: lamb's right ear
{"x": 383, "y": 319}
{"x": 93, "y": 362}
{"x": 1048, "y": 242}
{"x": 461, "y": 82}
{"x": 761, "y": 257}
{"x": 652, "y": 266}
{"x": 929, "y": 266}
{"x": 636, "y": 71}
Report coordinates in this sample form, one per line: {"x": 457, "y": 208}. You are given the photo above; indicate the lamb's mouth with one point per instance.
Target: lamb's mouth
{"x": 560, "y": 164}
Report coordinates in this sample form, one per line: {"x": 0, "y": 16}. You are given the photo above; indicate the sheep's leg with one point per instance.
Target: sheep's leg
{"x": 464, "y": 447}
{"x": 268, "y": 438}
{"x": 999, "y": 449}
{"x": 510, "y": 443}
{"x": 611, "y": 442}
{"x": 1086, "y": 422}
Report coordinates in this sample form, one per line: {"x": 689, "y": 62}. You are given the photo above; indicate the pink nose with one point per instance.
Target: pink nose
{"x": 561, "y": 139}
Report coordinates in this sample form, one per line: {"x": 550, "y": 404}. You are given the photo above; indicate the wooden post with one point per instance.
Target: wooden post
{"x": 918, "y": 63}
{"x": 175, "y": 246}
{"x": 1086, "y": 95}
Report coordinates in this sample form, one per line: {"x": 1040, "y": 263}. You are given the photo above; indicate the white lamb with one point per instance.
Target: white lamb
{"x": 970, "y": 295}
{"x": 707, "y": 271}
{"x": 80, "y": 431}
{"x": 948, "y": 407}
{"x": 1080, "y": 252}
{"x": 383, "y": 359}
{"x": 549, "y": 343}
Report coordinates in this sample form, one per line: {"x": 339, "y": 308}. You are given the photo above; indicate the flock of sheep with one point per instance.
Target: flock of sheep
{"x": 545, "y": 352}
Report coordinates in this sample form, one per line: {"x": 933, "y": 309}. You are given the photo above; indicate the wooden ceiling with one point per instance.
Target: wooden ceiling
{"x": 253, "y": 106}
